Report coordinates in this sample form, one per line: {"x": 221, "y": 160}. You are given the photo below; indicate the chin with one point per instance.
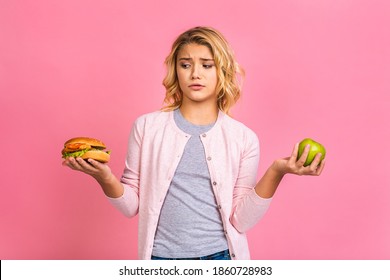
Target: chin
{"x": 199, "y": 97}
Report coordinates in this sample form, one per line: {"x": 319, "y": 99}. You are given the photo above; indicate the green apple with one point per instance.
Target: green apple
{"x": 315, "y": 148}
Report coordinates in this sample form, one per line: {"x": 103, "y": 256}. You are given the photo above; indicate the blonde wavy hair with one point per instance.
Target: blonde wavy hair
{"x": 230, "y": 74}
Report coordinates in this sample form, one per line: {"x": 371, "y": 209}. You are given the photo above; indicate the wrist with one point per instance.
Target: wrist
{"x": 276, "y": 170}
{"x": 268, "y": 184}
{"x": 111, "y": 186}
{"x": 105, "y": 179}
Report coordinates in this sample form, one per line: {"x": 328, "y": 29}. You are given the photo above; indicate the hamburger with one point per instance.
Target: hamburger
{"x": 86, "y": 148}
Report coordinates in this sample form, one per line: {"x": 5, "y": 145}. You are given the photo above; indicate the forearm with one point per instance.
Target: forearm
{"x": 269, "y": 183}
{"x": 111, "y": 186}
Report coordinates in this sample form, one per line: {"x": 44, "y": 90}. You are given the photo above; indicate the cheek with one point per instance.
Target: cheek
{"x": 214, "y": 78}
{"x": 180, "y": 76}
{"x": 180, "y": 80}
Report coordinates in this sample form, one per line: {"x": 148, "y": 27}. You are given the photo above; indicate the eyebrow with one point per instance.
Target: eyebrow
{"x": 188, "y": 58}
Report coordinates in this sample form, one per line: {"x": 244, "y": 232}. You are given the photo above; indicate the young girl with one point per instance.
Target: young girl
{"x": 190, "y": 171}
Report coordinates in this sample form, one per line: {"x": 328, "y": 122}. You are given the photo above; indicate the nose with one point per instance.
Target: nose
{"x": 196, "y": 72}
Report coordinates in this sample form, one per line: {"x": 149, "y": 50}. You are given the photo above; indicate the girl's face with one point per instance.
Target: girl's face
{"x": 197, "y": 74}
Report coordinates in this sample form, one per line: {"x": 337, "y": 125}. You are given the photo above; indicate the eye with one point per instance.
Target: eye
{"x": 208, "y": 66}
{"x": 185, "y": 65}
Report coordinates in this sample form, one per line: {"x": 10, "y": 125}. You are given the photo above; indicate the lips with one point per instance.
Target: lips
{"x": 196, "y": 86}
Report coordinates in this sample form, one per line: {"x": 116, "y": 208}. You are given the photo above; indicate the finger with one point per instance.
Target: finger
{"x": 96, "y": 164}
{"x": 304, "y": 155}
{"x": 315, "y": 163}
{"x": 294, "y": 154}
{"x": 321, "y": 167}
{"x": 71, "y": 162}
{"x": 85, "y": 165}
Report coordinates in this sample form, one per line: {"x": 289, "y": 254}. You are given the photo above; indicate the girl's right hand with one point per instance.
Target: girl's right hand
{"x": 100, "y": 171}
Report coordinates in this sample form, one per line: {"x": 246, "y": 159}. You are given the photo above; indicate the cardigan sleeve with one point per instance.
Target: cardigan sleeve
{"x": 248, "y": 207}
{"x": 128, "y": 203}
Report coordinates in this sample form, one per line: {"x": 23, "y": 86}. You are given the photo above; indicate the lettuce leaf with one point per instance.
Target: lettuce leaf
{"x": 75, "y": 154}
{"x": 79, "y": 153}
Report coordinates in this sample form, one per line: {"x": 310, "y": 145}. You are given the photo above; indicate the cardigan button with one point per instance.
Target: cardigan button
{"x": 233, "y": 255}
{"x": 208, "y": 158}
{"x": 204, "y": 135}
{"x": 214, "y": 183}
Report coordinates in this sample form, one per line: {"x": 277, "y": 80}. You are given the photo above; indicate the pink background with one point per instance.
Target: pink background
{"x": 317, "y": 69}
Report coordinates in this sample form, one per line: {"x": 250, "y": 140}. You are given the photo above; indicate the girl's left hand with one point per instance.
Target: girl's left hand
{"x": 293, "y": 165}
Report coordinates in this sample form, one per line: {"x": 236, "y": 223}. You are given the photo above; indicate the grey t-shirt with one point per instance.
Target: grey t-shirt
{"x": 190, "y": 224}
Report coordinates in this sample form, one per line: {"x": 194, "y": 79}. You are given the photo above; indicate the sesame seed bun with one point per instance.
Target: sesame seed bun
{"x": 86, "y": 140}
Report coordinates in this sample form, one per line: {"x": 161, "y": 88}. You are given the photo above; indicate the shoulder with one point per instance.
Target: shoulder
{"x": 156, "y": 118}
{"x": 239, "y": 130}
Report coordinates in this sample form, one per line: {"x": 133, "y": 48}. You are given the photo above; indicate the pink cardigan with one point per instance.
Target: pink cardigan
{"x": 155, "y": 147}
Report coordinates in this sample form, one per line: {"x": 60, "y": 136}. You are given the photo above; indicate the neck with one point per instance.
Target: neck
{"x": 199, "y": 115}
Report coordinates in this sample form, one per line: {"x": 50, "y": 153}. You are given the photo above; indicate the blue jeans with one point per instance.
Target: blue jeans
{"x": 223, "y": 255}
